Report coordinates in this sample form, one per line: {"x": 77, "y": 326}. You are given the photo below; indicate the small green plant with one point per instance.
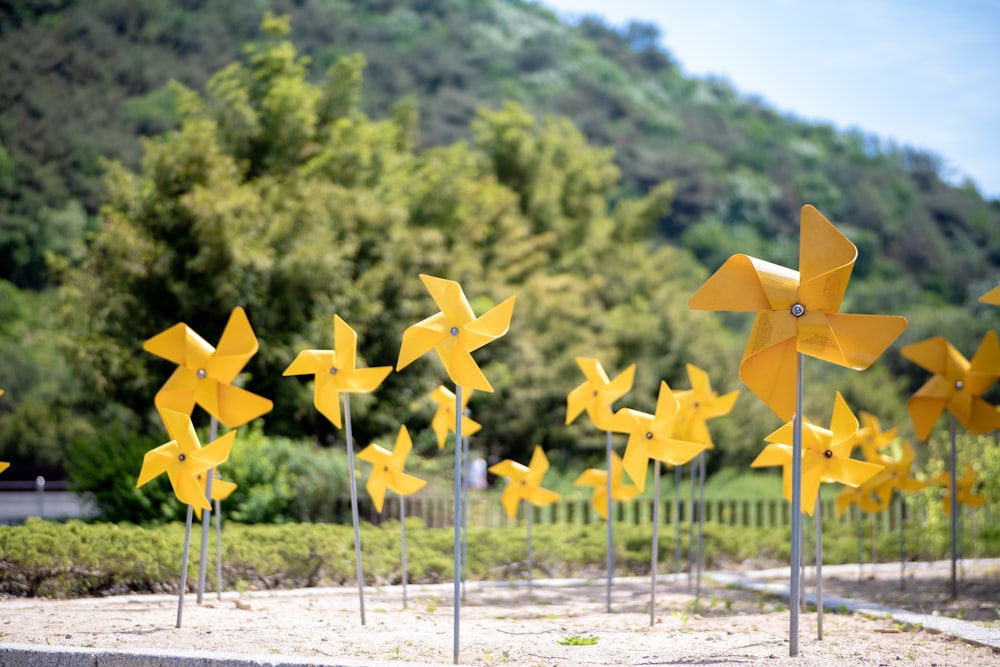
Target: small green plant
{"x": 432, "y": 604}
{"x": 681, "y": 615}
{"x": 577, "y": 640}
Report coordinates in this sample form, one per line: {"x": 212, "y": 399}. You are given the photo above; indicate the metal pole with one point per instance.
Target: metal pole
{"x": 656, "y": 542}
{"x": 796, "y": 513}
{"x": 677, "y": 518}
{"x": 902, "y": 541}
{"x": 861, "y": 555}
{"x": 184, "y": 564}
{"x": 457, "y": 593}
{"x": 465, "y": 512}
{"x": 40, "y": 489}
{"x": 354, "y": 505}
{"x": 218, "y": 549}
{"x": 819, "y": 567}
{"x": 206, "y": 516}
{"x": 690, "y": 572}
{"x": 701, "y": 522}
{"x": 402, "y": 526}
{"x": 954, "y": 512}
{"x": 531, "y": 566}
{"x": 611, "y": 545}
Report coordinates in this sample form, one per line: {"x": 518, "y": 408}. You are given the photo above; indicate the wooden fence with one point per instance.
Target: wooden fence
{"x": 488, "y": 513}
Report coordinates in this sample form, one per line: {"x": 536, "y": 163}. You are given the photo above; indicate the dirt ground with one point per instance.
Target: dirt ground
{"x": 545, "y": 626}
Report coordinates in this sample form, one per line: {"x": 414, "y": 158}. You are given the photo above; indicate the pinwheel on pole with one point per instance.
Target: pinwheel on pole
{"x": 204, "y": 376}
{"x": 651, "y": 436}
{"x": 525, "y": 483}
{"x": 797, "y": 314}
{"x": 956, "y": 385}
{"x": 387, "y": 473}
{"x": 595, "y": 395}
{"x": 335, "y": 372}
{"x": 454, "y": 333}
{"x": 698, "y": 405}
{"x": 598, "y": 478}
{"x": 826, "y": 457}
{"x": 872, "y": 439}
{"x": 959, "y": 491}
{"x": 895, "y": 481}
{"x": 865, "y": 501}
{"x": 184, "y": 459}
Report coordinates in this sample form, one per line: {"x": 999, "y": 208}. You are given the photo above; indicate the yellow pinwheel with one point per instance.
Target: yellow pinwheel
{"x": 699, "y": 404}
{"x": 957, "y": 384}
{"x": 524, "y": 482}
{"x": 651, "y": 436}
{"x": 335, "y": 371}
{"x": 896, "y": 475}
{"x": 597, "y": 393}
{"x": 183, "y": 459}
{"x": 993, "y": 296}
{"x": 964, "y": 486}
{"x": 387, "y": 469}
{"x": 443, "y": 421}
{"x": 871, "y": 438}
{"x": 864, "y": 496}
{"x": 455, "y": 332}
{"x": 205, "y": 374}
{"x": 598, "y": 478}
{"x": 826, "y": 455}
{"x": 797, "y": 312}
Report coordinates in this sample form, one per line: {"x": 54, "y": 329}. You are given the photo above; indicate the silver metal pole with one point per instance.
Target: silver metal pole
{"x": 457, "y": 593}
{"x": 184, "y": 564}
{"x": 611, "y": 545}
{"x": 819, "y": 567}
{"x": 701, "y": 522}
{"x": 206, "y": 516}
{"x": 656, "y": 542}
{"x": 902, "y": 540}
{"x": 465, "y": 512}
{"x": 218, "y": 549}
{"x": 690, "y": 563}
{"x": 796, "y": 512}
{"x": 402, "y": 526}
{"x": 354, "y": 505}
{"x": 678, "y": 476}
{"x": 531, "y": 566}
{"x": 40, "y": 493}
{"x": 954, "y": 512}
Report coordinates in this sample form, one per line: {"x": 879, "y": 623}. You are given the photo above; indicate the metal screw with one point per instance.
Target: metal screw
{"x": 798, "y": 310}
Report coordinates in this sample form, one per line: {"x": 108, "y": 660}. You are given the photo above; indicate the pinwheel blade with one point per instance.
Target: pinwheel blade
{"x": 450, "y": 299}
{"x": 310, "y": 362}
{"x": 179, "y": 344}
{"x": 738, "y": 285}
{"x": 420, "y": 338}
{"x": 376, "y": 485}
{"x": 491, "y": 325}
{"x": 861, "y": 339}
{"x": 236, "y": 346}
{"x": 826, "y": 259}
{"x": 404, "y": 484}
{"x": 156, "y": 462}
{"x": 993, "y": 296}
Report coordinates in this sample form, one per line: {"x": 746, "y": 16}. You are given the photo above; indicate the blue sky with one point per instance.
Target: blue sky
{"x": 920, "y": 73}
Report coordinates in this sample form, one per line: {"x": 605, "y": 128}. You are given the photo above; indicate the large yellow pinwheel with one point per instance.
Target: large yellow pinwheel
{"x": 455, "y": 332}
{"x": 957, "y": 384}
{"x": 597, "y": 393}
{"x": 524, "y": 482}
{"x": 184, "y": 459}
{"x": 387, "y": 469}
{"x": 797, "y": 312}
{"x": 205, "y": 374}
{"x": 443, "y": 421}
{"x": 651, "y": 436}
{"x": 699, "y": 404}
{"x": 597, "y": 478}
{"x": 993, "y": 296}
{"x": 335, "y": 371}
{"x": 826, "y": 455}
{"x": 964, "y": 486}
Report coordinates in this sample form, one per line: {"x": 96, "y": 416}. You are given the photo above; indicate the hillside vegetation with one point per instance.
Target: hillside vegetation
{"x": 316, "y": 163}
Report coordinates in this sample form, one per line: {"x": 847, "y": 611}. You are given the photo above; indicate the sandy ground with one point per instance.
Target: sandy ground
{"x": 508, "y": 625}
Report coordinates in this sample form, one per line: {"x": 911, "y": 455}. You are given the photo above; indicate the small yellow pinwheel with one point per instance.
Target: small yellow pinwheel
{"x": 797, "y": 312}
{"x": 524, "y": 482}
{"x": 597, "y": 393}
{"x": 871, "y": 438}
{"x": 221, "y": 489}
{"x": 184, "y": 459}
{"x": 826, "y": 455}
{"x": 957, "y": 384}
{"x": 896, "y": 475}
{"x": 204, "y": 374}
{"x": 598, "y": 478}
{"x": 443, "y": 421}
{"x": 864, "y": 496}
{"x": 387, "y": 469}
{"x": 699, "y": 404}
{"x": 334, "y": 371}
{"x": 454, "y": 333}
{"x": 964, "y": 486}
{"x": 651, "y": 436}
{"x": 993, "y": 296}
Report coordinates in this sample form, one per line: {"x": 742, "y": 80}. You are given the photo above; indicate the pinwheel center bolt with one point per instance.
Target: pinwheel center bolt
{"x": 649, "y": 435}
{"x": 454, "y": 331}
{"x": 333, "y": 370}
{"x": 181, "y": 457}
{"x": 202, "y": 374}
{"x": 828, "y": 454}
{"x": 798, "y": 310}
{"x": 385, "y": 468}
{"x": 594, "y": 393}
{"x": 959, "y": 385}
